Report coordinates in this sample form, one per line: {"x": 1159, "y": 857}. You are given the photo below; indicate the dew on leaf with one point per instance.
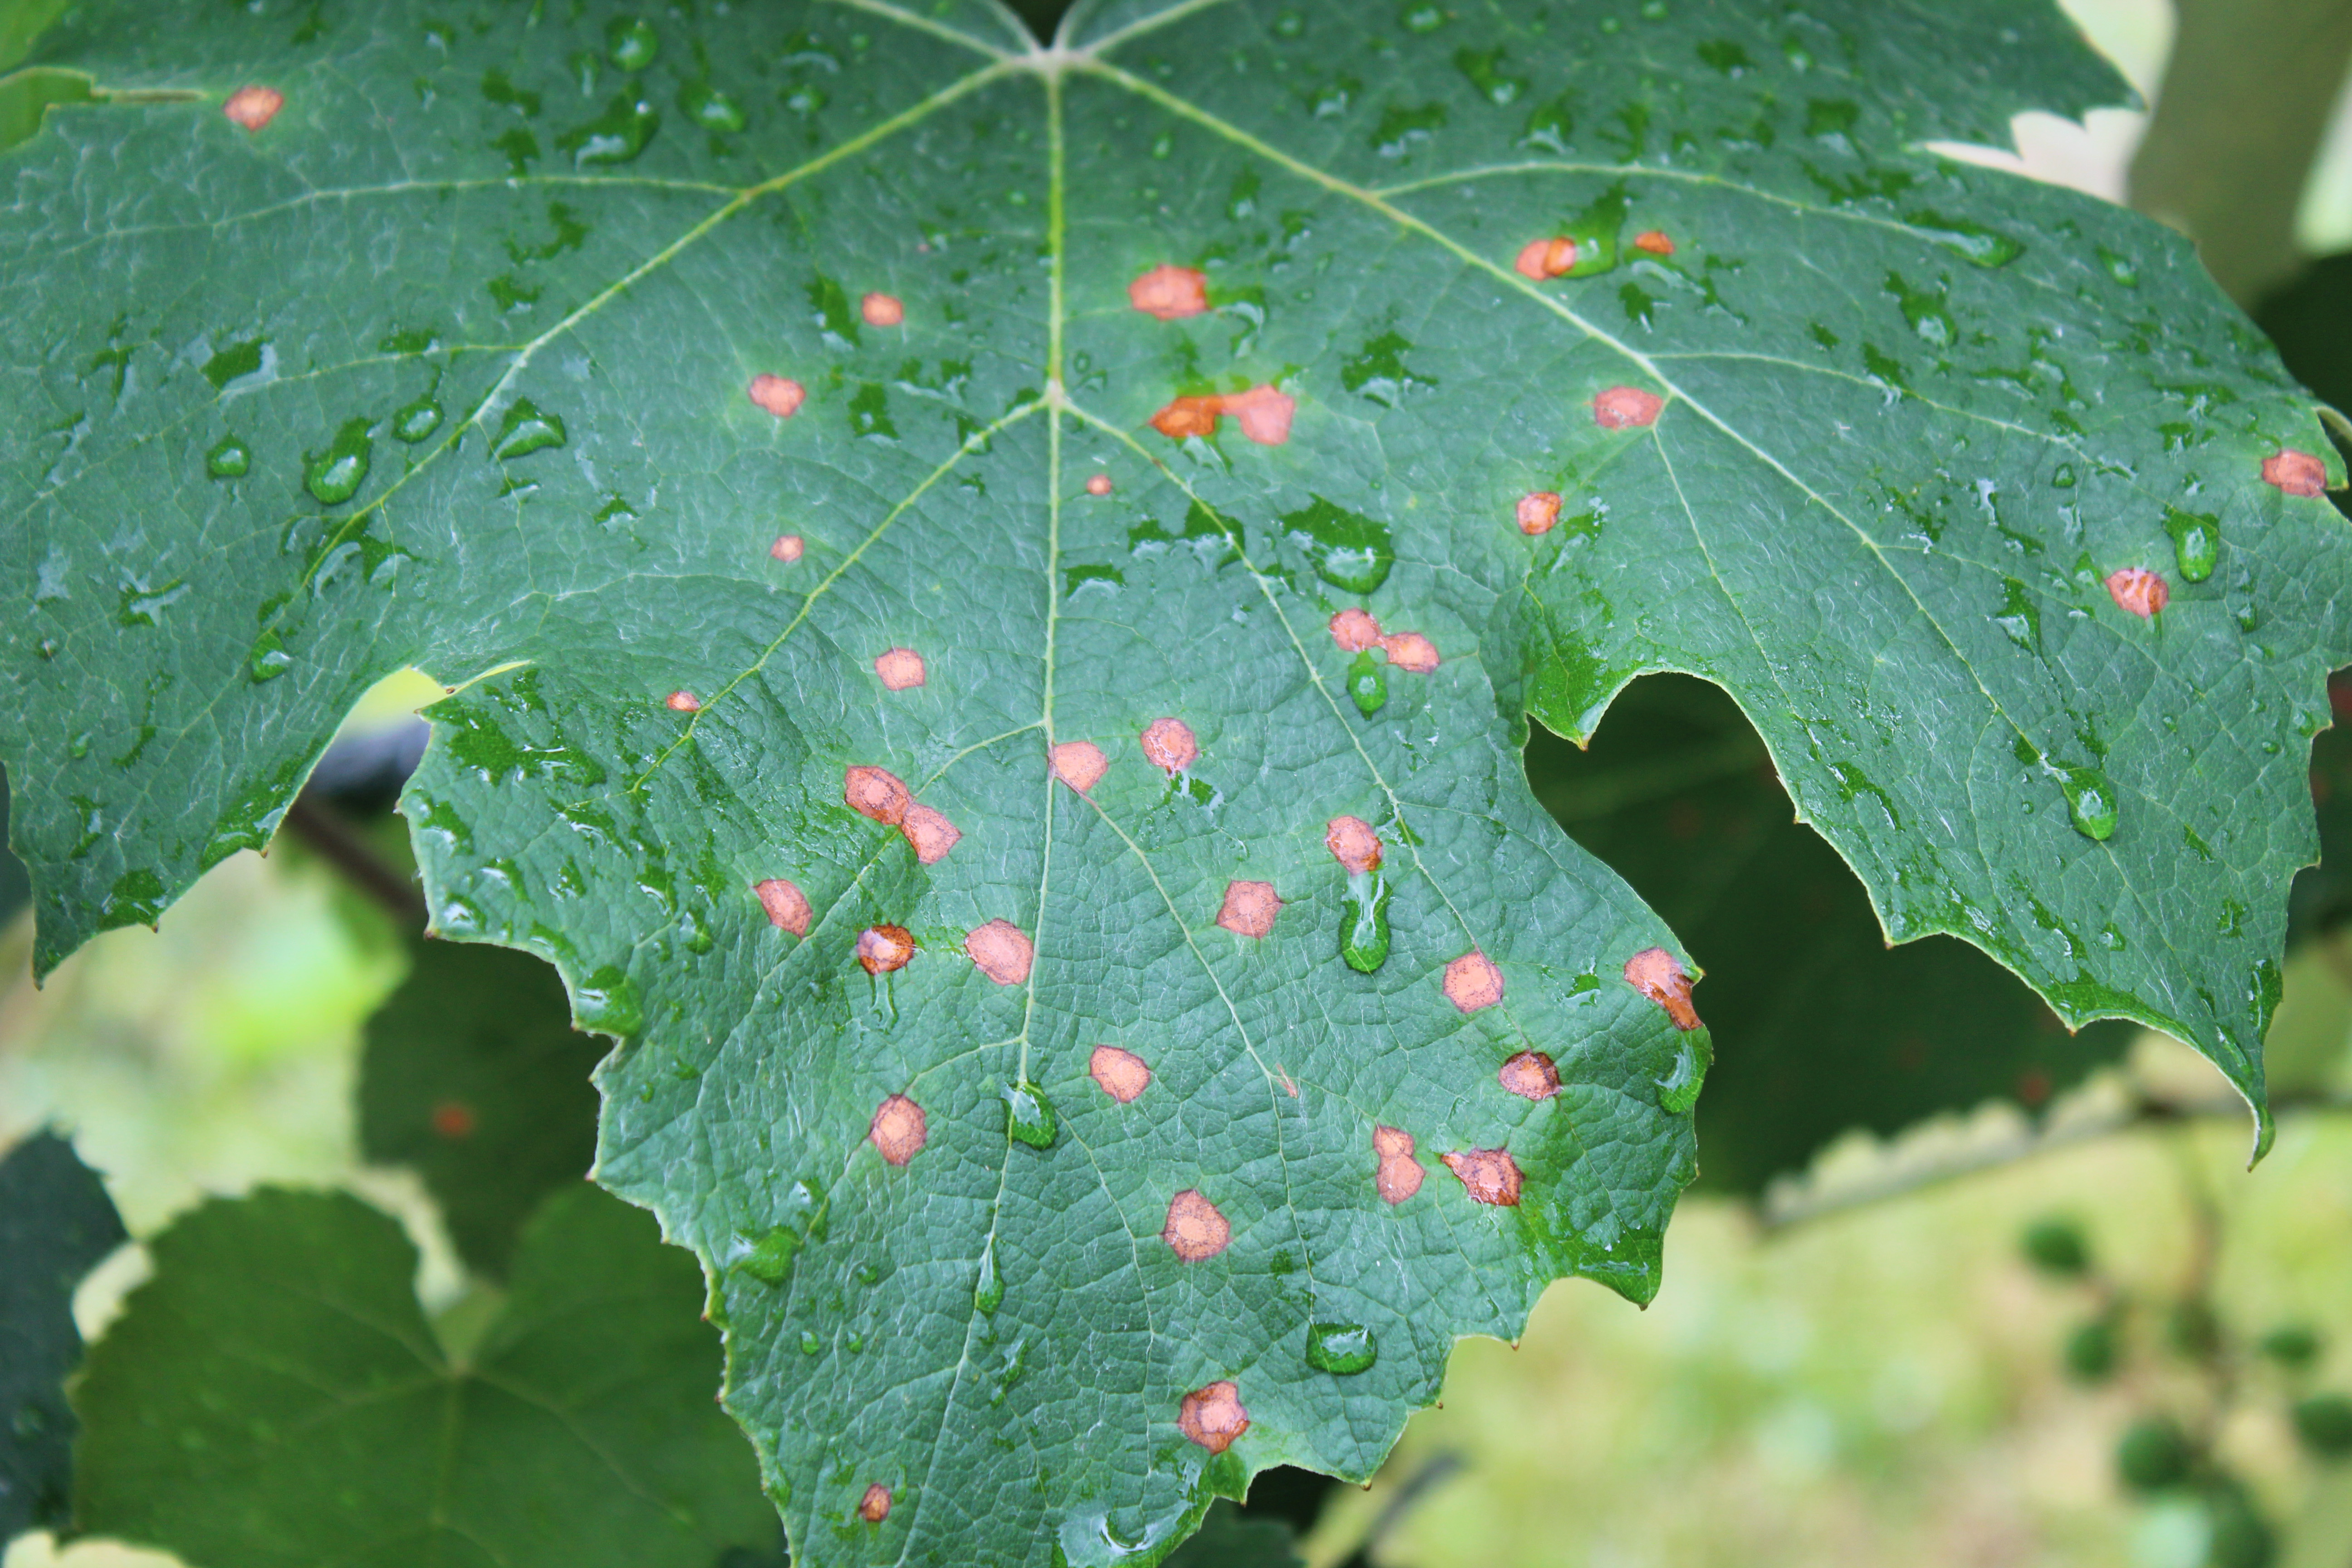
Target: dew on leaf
{"x": 526, "y": 429}
{"x": 1660, "y": 975}
{"x": 1352, "y": 843}
{"x": 1542, "y": 258}
{"x": 2196, "y": 542}
{"x": 898, "y": 1128}
{"x": 1625, "y": 408}
{"x": 1168, "y": 745}
{"x": 929, "y": 832}
{"x": 875, "y": 1506}
{"x": 810, "y": 1344}
{"x": 254, "y": 107}
{"x": 412, "y": 422}
{"x": 1367, "y": 684}
{"x": 231, "y": 459}
{"x": 875, "y": 793}
{"x": 1654, "y": 241}
{"x": 1029, "y": 1115}
{"x": 1364, "y": 921}
{"x": 1488, "y": 1175}
{"x": 709, "y": 108}
{"x": 1249, "y": 908}
{"x": 2296, "y": 473}
{"x": 1347, "y": 548}
{"x": 1411, "y": 652}
{"x": 1678, "y": 1091}
{"x": 1000, "y": 950}
{"x": 236, "y": 362}
{"x": 787, "y": 548}
{"x": 1538, "y": 512}
{"x": 1170, "y": 293}
{"x": 1982, "y": 245}
{"x": 778, "y": 395}
{"x": 884, "y": 948}
{"x": 1399, "y": 1175}
{"x": 2142, "y": 593}
{"x": 901, "y": 668}
{"x": 1288, "y": 23}
{"x": 1340, "y": 1349}
{"x": 1355, "y": 630}
{"x": 1471, "y": 982}
{"x": 269, "y": 660}
{"x": 1213, "y": 1417}
{"x": 1485, "y": 70}
{"x": 2119, "y": 267}
{"x": 615, "y": 136}
{"x": 607, "y": 1002}
{"x": 335, "y": 475}
{"x": 988, "y": 1290}
{"x": 2090, "y": 802}
{"x": 630, "y": 42}
{"x": 787, "y": 906}
{"x": 882, "y": 310}
{"x": 1098, "y": 485}
{"x": 1530, "y": 1075}
{"x": 1122, "y": 1074}
{"x": 1080, "y": 765}
{"x": 1195, "y": 1228}
{"x": 683, "y": 701}
{"x": 1422, "y": 17}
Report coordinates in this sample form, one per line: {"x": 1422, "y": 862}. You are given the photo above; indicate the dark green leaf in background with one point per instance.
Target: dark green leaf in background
{"x": 55, "y": 1225}
{"x": 474, "y": 1077}
{"x": 1819, "y": 1026}
{"x": 770, "y": 394}
{"x": 1227, "y": 1539}
{"x": 274, "y": 1396}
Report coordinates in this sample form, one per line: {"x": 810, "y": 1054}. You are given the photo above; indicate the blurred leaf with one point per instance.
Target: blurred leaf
{"x": 474, "y": 1076}
{"x": 1818, "y": 1026}
{"x": 2324, "y": 1422}
{"x": 55, "y": 1225}
{"x": 2292, "y": 1345}
{"x": 2091, "y": 1351}
{"x": 2057, "y": 1246}
{"x": 274, "y": 1398}
{"x": 2153, "y": 1454}
{"x": 21, "y": 22}
{"x": 1229, "y": 1539}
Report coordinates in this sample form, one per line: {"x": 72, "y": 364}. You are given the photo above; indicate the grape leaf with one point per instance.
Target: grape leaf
{"x": 472, "y": 1075}
{"x": 274, "y": 1395}
{"x": 1824, "y": 1028}
{"x": 57, "y": 1224}
{"x": 790, "y": 423}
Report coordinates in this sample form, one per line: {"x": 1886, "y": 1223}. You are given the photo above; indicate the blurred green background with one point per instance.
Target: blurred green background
{"x": 1854, "y": 1359}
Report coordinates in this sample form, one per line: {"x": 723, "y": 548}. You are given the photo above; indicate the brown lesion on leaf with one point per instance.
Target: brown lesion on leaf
{"x": 882, "y": 310}
{"x": 1540, "y": 260}
{"x": 1473, "y": 982}
{"x": 1121, "y": 1074}
{"x": 884, "y": 948}
{"x": 1538, "y": 512}
{"x": 875, "y": 1506}
{"x": 1213, "y": 1417}
{"x": 1409, "y": 651}
{"x": 899, "y": 1130}
{"x": 1080, "y": 765}
{"x": 876, "y": 794}
{"x": 1654, "y": 242}
{"x": 1170, "y": 293}
{"x": 1169, "y": 745}
{"x": 929, "y": 832}
{"x": 1196, "y": 1229}
{"x": 1488, "y": 1175}
{"x": 1355, "y": 630}
{"x": 682, "y": 702}
{"x": 1098, "y": 485}
{"x": 1264, "y": 413}
{"x": 1626, "y": 408}
{"x": 254, "y": 107}
{"x": 1530, "y": 1075}
{"x": 2296, "y": 473}
{"x": 2140, "y": 590}
{"x": 1659, "y": 976}
{"x": 1353, "y": 844}
{"x": 901, "y": 668}
{"x": 787, "y": 548}
{"x": 1000, "y": 950}
{"x": 1249, "y": 908}
{"x": 778, "y": 394}
{"x": 1399, "y": 1175}
{"x": 787, "y": 906}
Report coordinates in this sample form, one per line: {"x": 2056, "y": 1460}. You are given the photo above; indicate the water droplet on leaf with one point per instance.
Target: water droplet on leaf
{"x": 1367, "y": 683}
{"x": 2195, "y": 541}
{"x": 1364, "y": 921}
{"x": 710, "y": 108}
{"x": 335, "y": 475}
{"x": 1029, "y": 1115}
{"x": 1347, "y": 548}
{"x": 526, "y": 430}
{"x": 1342, "y": 1349}
{"x": 2090, "y": 802}
{"x": 229, "y": 460}
{"x": 631, "y": 42}
{"x": 417, "y": 420}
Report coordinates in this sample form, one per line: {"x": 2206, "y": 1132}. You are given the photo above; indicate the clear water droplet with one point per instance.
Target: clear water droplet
{"x": 988, "y": 1293}
{"x": 771, "y": 1257}
{"x": 1029, "y": 1115}
{"x": 229, "y": 460}
{"x": 269, "y": 658}
{"x": 79, "y": 747}
{"x": 615, "y": 136}
{"x": 415, "y": 421}
{"x": 2196, "y": 542}
{"x": 1985, "y": 246}
{"x": 1364, "y": 921}
{"x": 1341, "y": 1349}
{"x": 607, "y": 1002}
{"x": 631, "y": 42}
{"x": 335, "y": 475}
{"x": 2091, "y": 801}
{"x": 1678, "y": 1091}
{"x": 810, "y": 1344}
{"x": 526, "y": 430}
{"x": 709, "y": 108}
{"x": 1367, "y": 683}
{"x": 1347, "y": 548}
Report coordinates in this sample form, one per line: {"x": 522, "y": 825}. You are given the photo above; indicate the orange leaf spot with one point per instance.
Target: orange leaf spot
{"x": 779, "y": 396}
{"x": 1625, "y": 408}
{"x": 254, "y": 107}
{"x": 2296, "y": 473}
{"x": 1352, "y": 843}
{"x": 1659, "y": 976}
{"x": 1249, "y": 909}
{"x": 1355, "y": 630}
{"x": 901, "y": 668}
{"x": 2141, "y": 592}
{"x": 881, "y": 949}
{"x": 1195, "y": 1228}
{"x": 1473, "y": 982}
{"x": 1213, "y": 1417}
{"x": 899, "y": 1133}
{"x": 1123, "y": 1075}
{"x": 1170, "y": 292}
{"x": 875, "y": 793}
{"x": 1488, "y": 1175}
{"x": 930, "y": 832}
{"x": 882, "y": 311}
{"x": 1000, "y": 951}
{"x": 787, "y": 907}
{"x": 1080, "y": 765}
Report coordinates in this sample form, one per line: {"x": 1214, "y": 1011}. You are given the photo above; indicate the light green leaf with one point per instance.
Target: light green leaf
{"x": 274, "y": 1396}
{"x": 501, "y": 345}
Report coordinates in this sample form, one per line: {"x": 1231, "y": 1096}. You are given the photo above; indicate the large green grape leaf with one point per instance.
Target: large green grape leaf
{"x": 1677, "y": 795}
{"x": 57, "y": 1224}
{"x": 275, "y": 1397}
{"x": 766, "y": 394}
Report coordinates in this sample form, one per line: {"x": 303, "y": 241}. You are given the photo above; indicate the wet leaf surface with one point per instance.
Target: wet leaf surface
{"x": 913, "y": 538}
{"x": 273, "y": 1395}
